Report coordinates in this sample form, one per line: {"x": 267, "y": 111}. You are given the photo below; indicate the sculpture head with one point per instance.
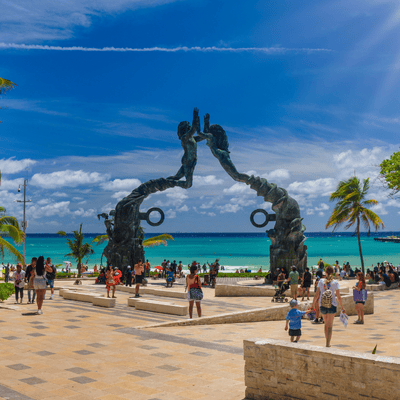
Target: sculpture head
{"x": 221, "y": 139}
{"x": 183, "y": 128}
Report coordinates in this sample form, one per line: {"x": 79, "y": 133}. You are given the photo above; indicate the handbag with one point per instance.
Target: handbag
{"x": 360, "y": 295}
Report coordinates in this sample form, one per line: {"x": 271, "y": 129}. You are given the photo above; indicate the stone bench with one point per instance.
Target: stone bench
{"x": 104, "y": 302}
{"x": 157, "y": 306}
{"x": 256, "y": 291}
{"x": 377, "y": 287}
{"x": 94, "y": 298}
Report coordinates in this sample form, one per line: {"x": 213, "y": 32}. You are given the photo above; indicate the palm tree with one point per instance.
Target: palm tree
{"x": 9, "y": 226}
{"x": 351, "y": 207}
{"x": 5, "y": 85}
{"x": 79, "y": 250}
{"x": 150, "y": 242}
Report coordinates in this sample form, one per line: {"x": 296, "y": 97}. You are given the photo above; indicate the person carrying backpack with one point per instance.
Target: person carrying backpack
{"x": 328, "y": 295}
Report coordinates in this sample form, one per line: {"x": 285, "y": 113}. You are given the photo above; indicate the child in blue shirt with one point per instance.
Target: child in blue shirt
{"x": 170, "y": 277}
{"x": 293, "y": 321}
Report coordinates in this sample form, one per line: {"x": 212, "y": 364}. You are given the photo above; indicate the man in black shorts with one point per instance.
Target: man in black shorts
{"x": 139, "y": 272}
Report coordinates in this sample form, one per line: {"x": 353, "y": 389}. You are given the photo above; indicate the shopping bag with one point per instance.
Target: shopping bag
{"x": 344, "y": 318}
{"x": 359, "y": 295}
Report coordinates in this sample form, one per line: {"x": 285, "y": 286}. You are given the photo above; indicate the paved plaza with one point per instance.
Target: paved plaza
{"x": 78, "y": 351}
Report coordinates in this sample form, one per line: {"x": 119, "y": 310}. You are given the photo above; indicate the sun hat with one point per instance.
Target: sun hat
{"x": 128, "y": 267}
{"x": 293, "y": 303}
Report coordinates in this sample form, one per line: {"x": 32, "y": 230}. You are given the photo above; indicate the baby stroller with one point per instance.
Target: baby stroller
{"x": 279, "y": 295}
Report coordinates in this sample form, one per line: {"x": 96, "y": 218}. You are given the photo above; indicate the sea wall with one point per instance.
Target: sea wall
{"x": 280, "y": 370}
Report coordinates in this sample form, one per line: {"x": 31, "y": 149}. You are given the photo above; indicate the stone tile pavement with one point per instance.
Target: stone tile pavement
{"x": 78, "y": 351}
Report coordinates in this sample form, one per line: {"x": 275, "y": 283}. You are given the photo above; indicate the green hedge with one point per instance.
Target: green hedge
{"x": 6, "y": 290}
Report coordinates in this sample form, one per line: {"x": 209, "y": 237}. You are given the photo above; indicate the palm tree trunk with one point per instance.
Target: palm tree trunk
{"x": 359, "y": 245}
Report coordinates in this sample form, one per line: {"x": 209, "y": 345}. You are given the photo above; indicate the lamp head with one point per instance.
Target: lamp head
{"x": 19, "y": 189}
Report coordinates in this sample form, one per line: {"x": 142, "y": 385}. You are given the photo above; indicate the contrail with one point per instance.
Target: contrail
{"x": 267, "y": 50}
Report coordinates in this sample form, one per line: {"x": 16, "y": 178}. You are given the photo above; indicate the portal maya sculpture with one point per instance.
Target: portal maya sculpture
{"x": 123, "y": 224}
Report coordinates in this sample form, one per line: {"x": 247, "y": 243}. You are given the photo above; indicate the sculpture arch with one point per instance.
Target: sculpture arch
{"x": 287, "y": 238}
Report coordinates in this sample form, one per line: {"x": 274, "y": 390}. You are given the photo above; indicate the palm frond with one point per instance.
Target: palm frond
{"x": 5, "y": 85}
{"x": 100, "y": 239}
{"x": 4, "y": 245}
{"x": 7, "y": 220}
{"x": 14, "y": 232}
{"x": 157, "y": 240}
{"x": 61, "y": 233}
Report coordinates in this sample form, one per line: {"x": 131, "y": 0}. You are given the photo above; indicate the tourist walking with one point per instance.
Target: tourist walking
{"x": 170, "y": 277}
{"x": 19, "y": 282}
{"x": 328, "y": 295}
{"x": 361, "y": 287}
{"x": 29, "y": 278}
{"x": 306, "y": 283}
{"x": 6, "y": 273}
{"x": 147, "y": 267}
{"x": 110, "y": 282}
{"x": 195, "y": 293}
{"x": 128, "y": 276}
{"x": 293, "y": 280}
{"x": 50, "y": 275}
{"x": 40, "y": 283}
{"x": 139, "y": 272}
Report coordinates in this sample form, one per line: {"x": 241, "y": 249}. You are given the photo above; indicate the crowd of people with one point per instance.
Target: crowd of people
{"x": 39, "y": 274}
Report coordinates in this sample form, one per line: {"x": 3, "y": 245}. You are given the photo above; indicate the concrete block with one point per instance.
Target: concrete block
{"x": 161, "y": 307}
{"x": 103, "y": 301}
{"x": 169, "y": 293}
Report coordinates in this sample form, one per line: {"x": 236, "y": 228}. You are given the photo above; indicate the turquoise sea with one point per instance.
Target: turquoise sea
{"x": 233, "y": 249}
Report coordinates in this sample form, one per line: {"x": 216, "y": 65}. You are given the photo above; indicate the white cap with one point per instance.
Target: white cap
{"x": 129, "y": 267}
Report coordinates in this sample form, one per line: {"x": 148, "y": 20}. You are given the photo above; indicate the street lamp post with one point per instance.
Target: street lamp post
{"x": 24, "y": 222}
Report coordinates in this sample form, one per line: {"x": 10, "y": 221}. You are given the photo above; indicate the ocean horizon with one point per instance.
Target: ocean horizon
{"x": 234, "y": 249}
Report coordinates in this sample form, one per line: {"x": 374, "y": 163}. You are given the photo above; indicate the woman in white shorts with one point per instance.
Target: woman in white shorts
{"x": 40, "y": 283}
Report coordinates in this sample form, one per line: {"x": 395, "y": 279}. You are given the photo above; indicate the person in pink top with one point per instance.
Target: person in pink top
{"x": 139, "y": 272}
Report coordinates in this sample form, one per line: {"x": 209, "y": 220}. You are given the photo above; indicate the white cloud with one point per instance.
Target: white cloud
{"x": 60, "y": 209}
{"x": 121, "y": 184}
{"x": 175, "y": 197}
{"x": 120, "y": 195}
{"x": 310, "y": 211}
{"x": 183, "y": 208}
{"x": 170, "y": 214}
{"x": 84, "y": 213}
{"x": 322, "y": 207}
{"x": 278, "y": 174}
{"x": 379, "y": 209}
{"x": 229, "y": 208}
{"x": 242, "y": 201}
{"x": 67, "y": 178}
{"x": 210, "y": 49}
{"x": 59, "y": 194}
{"x": 239, "y": 187}
{"x": 321, "y": 214}
{"x": 314, "y": 188}
{"x": 208, "y": 180}
{"x": 12, "y": 166}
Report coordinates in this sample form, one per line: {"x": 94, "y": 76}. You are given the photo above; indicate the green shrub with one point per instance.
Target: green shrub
{"x": 6, "y": 290}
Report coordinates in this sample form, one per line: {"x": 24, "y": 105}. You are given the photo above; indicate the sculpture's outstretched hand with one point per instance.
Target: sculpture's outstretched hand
{"x": 196, "y": 120}
{"x": 207, "y": 122}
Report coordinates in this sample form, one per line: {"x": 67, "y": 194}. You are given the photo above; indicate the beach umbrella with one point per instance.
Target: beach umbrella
{"x": 158, "y": 267}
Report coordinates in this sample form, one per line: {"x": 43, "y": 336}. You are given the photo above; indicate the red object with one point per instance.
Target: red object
{"x": 158, "y": 267}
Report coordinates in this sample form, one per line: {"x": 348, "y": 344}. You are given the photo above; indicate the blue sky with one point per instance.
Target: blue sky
{"x": 307, "y": 92}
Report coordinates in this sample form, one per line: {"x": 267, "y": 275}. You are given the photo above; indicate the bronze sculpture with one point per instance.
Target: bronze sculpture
{"x": 287, "y": 238}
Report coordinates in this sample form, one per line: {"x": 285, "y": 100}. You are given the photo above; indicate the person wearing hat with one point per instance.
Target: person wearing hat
{"x": 128, "y": 276}
{"x": 117, "y": 276}
{"x": 293, "y": 321}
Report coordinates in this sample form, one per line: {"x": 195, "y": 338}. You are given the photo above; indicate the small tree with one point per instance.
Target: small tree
{"x": 351, "y": 207}
{"x": 79, "y": 250}
{"x": 390, "y": 172}
{"x": 9, "y": 226}
{"x": 5, "y": 85}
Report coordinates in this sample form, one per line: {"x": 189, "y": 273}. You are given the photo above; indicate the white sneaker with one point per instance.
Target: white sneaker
{"x": 16, "y": 302}
{"x": 51, "y": 297}
{"x": 39, "y": 312}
